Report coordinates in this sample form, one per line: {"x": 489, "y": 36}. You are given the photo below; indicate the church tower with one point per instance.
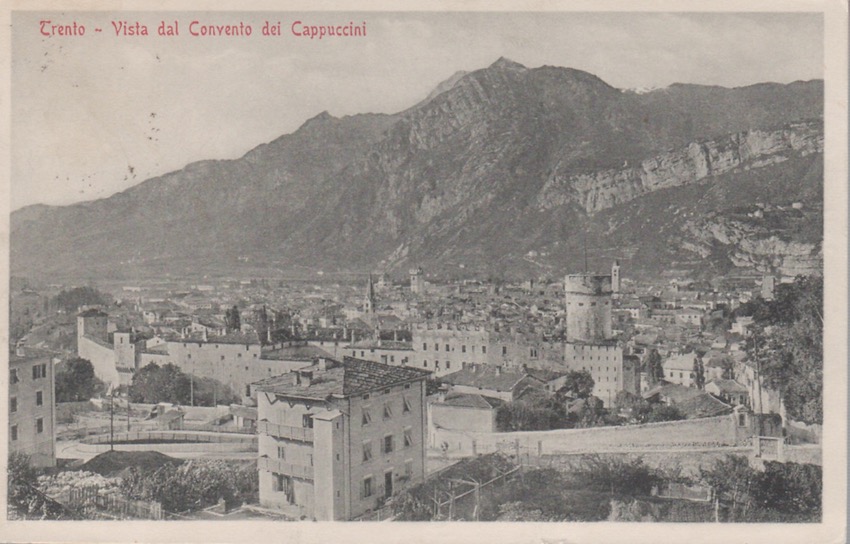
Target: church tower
{"x": 615, "y": 277}
{"x": 369, "y": 302}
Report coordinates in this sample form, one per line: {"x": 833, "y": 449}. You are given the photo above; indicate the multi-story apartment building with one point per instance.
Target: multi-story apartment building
{"x": 32, "y": 409}
{"x": 338, "y": 438}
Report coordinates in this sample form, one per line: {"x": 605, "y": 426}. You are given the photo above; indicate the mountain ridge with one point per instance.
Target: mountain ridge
{"x": 383, "y": 190}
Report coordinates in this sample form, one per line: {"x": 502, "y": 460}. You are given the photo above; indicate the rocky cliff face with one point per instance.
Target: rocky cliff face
{"x": 495, "y": 165}
{"x": 699, "y": 160}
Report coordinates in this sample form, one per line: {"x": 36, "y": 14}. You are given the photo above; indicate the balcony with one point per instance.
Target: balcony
{"x": 282, "y": 467}
{"x": 303, "y": 434}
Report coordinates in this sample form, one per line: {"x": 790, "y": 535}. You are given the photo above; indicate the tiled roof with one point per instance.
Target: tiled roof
{"x": 472, "y": 400}
{"x": 702, "y": 405}
{"x": 487, "y": 377}
{"x": 729, "y": 386}
{"x": 295, "y": 353}
{"x": 343, "y": 379}
{"x": 93, "y": 312}
{"x": 545, "y": 375}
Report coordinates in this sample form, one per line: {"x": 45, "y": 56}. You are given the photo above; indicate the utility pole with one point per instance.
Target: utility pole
{"x": 128, "y": 410}
{"x": 111, "y": 421}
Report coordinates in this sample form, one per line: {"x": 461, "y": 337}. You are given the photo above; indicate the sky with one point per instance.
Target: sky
{"x": 95, "y": 114}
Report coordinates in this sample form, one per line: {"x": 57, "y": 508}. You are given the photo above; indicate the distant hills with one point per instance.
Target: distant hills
{"x": 504, "y": 171}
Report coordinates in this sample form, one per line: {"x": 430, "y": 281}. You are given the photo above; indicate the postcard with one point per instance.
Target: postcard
{"x": 576, "y": 271}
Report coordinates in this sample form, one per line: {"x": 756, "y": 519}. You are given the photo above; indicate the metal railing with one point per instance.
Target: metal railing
{"x": 282, "y": 467}
{"x": 303, "y": 434}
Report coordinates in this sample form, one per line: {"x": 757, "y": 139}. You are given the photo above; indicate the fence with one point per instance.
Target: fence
{"x": 91, "y": 501}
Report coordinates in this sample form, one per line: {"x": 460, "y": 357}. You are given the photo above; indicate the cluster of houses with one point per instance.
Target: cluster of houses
{"x": 336, "y": 389}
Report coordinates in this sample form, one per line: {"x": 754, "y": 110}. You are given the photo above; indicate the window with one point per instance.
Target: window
{"x": 307, "y": 421}
{"x": 222, "y": 357}
{"x": 483, "y": 349}
{"x": 406, "y": 404}
{"x": 388, "y": 443}
{"x": 367, "y": 451}
{"x": 463, "y": 349}
{"x": 13, "y": 375}
{"x": 367, "y": 417}
{"x": 281, "y": 452}
{"x": 447, "y": 347}
{"x": 436, "y": 347}
{"x": 39, "y": 398}
{"x": 310, "y": 458}
{"x": 39, "y": 371}
{"x": 14, "y": 432}
{"x": 388, "y": 410}
{"x": 407, "y": 386}
{"x": 367, "y": 487}
{"x": 239, "y": 354}
{"x": 448, "y": 365}
{"x": 425, "y": 363}
{"x": 408, "y": 467}
{"x": 424, "y": 346}
{"x": 39, "y": 425}
{"x": 408, "y": 437}
{"x": 504, "y": 350}
{"x": 742, "y": 420}
{"x": 13, "y": 405}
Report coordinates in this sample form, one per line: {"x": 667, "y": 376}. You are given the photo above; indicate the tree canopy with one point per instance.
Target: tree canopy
{"x": 77, "y": 297}
{"x": 787, "y": 343}
{"x": 75, "y": 381}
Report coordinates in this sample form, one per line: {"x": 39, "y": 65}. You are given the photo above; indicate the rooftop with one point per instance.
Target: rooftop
{"x": 471, "y": 400}
{"x": 330, "y": 378}
{"x": 487, "y": 377}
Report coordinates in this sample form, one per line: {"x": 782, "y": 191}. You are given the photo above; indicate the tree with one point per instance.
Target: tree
{"x": 699, "y": 373}
{"x": 153, "y": 384}
{"x": 73, "y": 299}
{"x": 535, "y": 411}
{"x": 790, "y": 488}
{"x": 654, "y": 368}
{"x": 661, "y": 412}
{"x": 75, "y": 381}
{"x": 232, "y": 319}
{"x": 787, "y": 344}
{"x": 579, "y": 383}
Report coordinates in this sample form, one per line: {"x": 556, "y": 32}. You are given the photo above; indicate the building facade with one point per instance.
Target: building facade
{"x": 338, "y": 438}
{"x": 32, "y": 409}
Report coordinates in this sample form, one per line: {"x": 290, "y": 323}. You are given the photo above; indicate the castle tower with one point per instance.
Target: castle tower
{"x": 93, "y": 323}
{"x": 588, "y": 308}
{"x": 615, "y": 277}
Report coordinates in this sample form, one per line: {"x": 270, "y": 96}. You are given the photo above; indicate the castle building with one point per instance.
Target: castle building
{"x": 32, "y": 409}
{"x": 590, "y": 344}
{"x": 339, "y": 437}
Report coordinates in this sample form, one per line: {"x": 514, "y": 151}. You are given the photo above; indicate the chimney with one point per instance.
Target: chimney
{"x": 498, "y": 370}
